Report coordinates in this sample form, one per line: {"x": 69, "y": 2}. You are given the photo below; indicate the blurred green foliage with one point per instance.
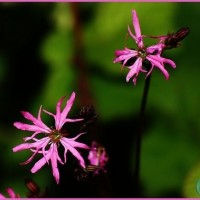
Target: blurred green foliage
{"x": 37, "y": 67}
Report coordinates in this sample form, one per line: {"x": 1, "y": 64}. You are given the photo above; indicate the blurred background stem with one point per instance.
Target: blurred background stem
{"x": 79, "y": 60}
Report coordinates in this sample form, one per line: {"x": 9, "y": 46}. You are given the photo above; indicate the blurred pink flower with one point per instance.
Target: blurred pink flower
{"x": 135, "y": 59}
{"x": 53, "y": 137}
{"x": 11, "y": 194}
{"x": 97, "y": 155}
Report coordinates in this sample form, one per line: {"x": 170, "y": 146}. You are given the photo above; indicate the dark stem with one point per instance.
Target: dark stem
{"x": 138, "y": 139}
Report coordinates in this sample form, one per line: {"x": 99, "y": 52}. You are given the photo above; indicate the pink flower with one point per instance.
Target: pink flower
{"x": 48, "y": 145}
{"x": 135, "y": 59}
{"x": 97, "y": 155}
{"x": 11, "y": 194}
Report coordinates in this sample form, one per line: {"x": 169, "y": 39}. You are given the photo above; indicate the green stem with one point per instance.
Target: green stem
{"x": 138, "y": 139}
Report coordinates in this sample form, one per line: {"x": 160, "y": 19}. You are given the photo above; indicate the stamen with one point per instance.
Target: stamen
{"x": 142, "y": 53}
{"x": 55, "y": 136}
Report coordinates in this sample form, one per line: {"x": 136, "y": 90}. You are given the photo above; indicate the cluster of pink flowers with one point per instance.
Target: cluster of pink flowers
{"x": 152, "y": 54}
{"x": 49, "y": 139}
{"x": 46, "y": 140}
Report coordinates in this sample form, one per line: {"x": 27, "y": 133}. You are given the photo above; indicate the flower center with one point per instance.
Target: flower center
{"x": 142, "y": 53}
{"x": 55, "y": 136}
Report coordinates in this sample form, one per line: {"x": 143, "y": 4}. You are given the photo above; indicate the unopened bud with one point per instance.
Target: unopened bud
{"x": 173, "y": 39}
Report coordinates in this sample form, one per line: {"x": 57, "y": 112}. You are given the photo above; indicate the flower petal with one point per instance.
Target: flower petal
{"x": 74, "y": 138}
{"x": 134, "y": 70}
{"x": 36, "y": 144}
{"x": 75, "y": 144}
{"x": 11, "y": 193}
{"x": 155, "y": 49}
{"x": 72, "y": 120}
{"x": 172, "y": 63}
{"x": 22, "y": 147}
{"x": 2, "y": 196}
{"x": 31, "y": 137}
{"x": 28, "y": 127}
{"x": 125, "y": 55}
{"x": 66, "y": 109}
{"x": 159, "y": 65}
{"x": 54, "y": 164}
{"x": 60, "y": 117}
{"x": 40, "y": 163}
{"x": 67, "y": 144}
{"x": 37, "y": 121}
{"x": 136, "y": 25}
{"x": 131, "y": 34}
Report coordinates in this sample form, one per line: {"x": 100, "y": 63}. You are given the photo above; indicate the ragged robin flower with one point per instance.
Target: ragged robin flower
{"x": 97, "y": 155}
{"x": 142, "y": 59}
{"x": 98, "y": 159}
{"x": 50, "y": 138}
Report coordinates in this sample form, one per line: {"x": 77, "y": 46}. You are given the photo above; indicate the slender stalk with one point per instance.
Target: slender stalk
{"x": 138, "y": 138}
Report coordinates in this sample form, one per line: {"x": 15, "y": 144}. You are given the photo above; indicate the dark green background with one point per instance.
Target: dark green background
{"x": 48, "y": 50}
